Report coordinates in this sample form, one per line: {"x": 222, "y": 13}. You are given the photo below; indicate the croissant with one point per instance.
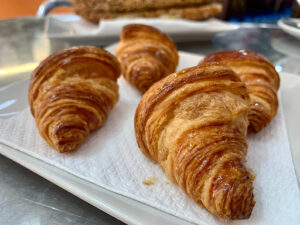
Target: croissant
{"x": 71, "y": 93}
{"x": 146, "y": 55}
{"x": 262, "y": 82}
{"x": 194, "y": 124}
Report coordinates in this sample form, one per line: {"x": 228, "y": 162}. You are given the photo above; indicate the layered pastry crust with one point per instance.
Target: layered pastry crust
{"x": 194, "y": 124}
{"x": 146, "y": 55}
{"x": 71, "y": 93}
{"x": 261, "y": 79}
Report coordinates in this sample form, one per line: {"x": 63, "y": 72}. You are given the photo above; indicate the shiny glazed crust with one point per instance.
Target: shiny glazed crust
{"x": 190, "y": 12}
{"x": 146, "y": 55}
{"x": 261, "y": 79}
{"x": 194, "y": 124}
{"x": 71, "y": 93}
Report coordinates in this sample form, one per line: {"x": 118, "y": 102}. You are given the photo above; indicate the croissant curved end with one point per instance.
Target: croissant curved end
{"x": 71, "y": 93}
{"x": 146, "y": 55}
{"x": 261, "y": 79}
{"x": 194, "y": 124}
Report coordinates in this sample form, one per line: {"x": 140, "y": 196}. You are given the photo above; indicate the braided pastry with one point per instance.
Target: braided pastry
{"x": 194, "y": 123}
{"x": 71, "y": 93}
{"x": 262, "y": 82}
{"x": 146, "y": 55}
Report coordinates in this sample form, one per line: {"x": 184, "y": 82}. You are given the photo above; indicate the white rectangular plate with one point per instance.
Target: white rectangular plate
{"x": 123, "y": 208}
{"x": 72, "y": 28}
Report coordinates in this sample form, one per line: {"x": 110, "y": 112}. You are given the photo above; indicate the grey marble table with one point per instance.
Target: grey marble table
{"x": 26, "y": 198}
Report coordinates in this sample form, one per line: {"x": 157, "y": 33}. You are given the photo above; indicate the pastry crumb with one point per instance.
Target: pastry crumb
{"x": 167, "y": 182}
{"x": 253, "y": 175}
{"x": 150, "y": 181}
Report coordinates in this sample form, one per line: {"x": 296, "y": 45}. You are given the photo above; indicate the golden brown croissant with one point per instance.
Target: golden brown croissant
{"x": 146, "y": 55}
{"x": 194, "y": 123}
{"x": 261, "y": 79}
{"x": 71, "y": 93}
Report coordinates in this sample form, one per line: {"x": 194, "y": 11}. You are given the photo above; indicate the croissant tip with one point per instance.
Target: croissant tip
{"x": 66, "y": 149}
{"x": 70, "y": 144}
{"x": 243, "y": 214}
{"x": 246, "y": 214}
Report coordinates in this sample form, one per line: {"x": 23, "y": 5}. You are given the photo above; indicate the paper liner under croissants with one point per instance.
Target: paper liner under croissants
{"x": 194, "y": 124}
{"x": 71, "y": 94}
{"x": 146, "y": 55}
{"x": 261, "y": 79}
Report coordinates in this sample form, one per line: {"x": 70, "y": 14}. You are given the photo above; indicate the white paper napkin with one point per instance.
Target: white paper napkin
{"x": 110, "y": 158}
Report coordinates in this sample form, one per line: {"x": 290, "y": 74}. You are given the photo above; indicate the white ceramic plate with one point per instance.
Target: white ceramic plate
{"x": 123, "y": 208}
{"x": 71, "y": 28}
{"x": 290, "y": 29}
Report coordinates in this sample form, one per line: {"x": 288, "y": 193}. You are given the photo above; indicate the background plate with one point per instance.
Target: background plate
{"x": 290, "y": 29}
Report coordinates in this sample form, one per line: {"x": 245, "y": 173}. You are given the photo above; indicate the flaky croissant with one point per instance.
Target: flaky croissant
{"x": 71, "y": 93}
{"x": 194, "y": 123}
{"x": 261, "y": 79}
{"x": 146, "y": 55}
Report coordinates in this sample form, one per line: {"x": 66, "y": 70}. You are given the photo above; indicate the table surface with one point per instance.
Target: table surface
{"x": 26, "y": 198}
